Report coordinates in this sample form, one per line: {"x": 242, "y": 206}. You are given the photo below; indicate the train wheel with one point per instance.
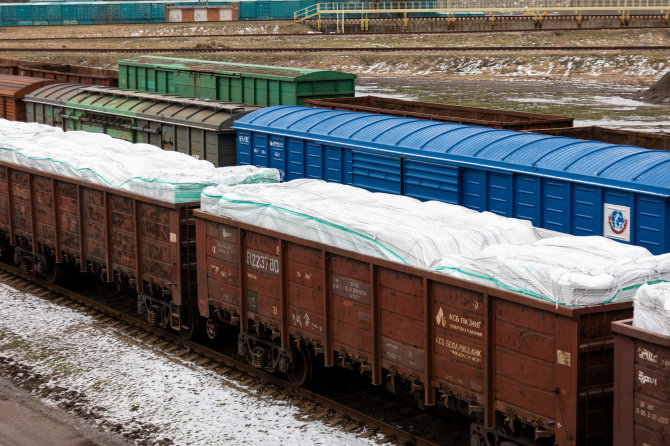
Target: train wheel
{"x": 189, "y": 323}
{"x": 301, "y": 373}
{"x": 211, "y": 329}
{"x": 52, "y": 274}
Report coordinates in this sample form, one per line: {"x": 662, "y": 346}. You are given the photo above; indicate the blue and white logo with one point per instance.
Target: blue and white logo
{"x": 617, "y": 222}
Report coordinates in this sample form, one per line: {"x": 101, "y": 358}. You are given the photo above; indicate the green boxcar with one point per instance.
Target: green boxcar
{"x": 252, "y": 84}
{"x": 198, "y": 127}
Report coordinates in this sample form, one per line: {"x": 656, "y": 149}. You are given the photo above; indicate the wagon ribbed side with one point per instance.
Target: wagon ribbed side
{"x": 140, "y": 243}
{"x": 641, "y": 398}
{"x": 519, "y": 366}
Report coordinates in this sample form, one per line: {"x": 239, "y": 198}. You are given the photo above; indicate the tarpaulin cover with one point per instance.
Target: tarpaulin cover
{"x": 139, "y": 168}
{"x": 482, "y": 247}
{"x": 652, "y": 308}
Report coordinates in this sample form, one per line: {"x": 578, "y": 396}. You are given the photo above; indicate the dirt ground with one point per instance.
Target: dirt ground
{"x": 26, "y": 421}
{"x": 659, "y": 93}
{"x": 640, "y": 68}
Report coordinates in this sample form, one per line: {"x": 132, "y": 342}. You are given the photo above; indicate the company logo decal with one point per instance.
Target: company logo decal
{"x": 617, "y": 221}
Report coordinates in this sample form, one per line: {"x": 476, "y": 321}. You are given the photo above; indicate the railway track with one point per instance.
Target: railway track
{"x": 352, "y": 413}
{"x": 317, "y": 34}
{"x": 460, "y": 49}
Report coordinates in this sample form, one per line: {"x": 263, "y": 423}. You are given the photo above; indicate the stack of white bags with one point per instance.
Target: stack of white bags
{"x": 652, "y": 308}
{"x": 139, "y": 168}
{"x": 481, "y": 247}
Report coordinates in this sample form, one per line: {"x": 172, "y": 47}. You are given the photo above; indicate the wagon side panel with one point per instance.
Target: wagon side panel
{"x": 459, "y": 342}
{"x": 525, "y": 369}
{"x": 596, "y": 374}
{"x": 68, "y": 218}
{"x": 21, "y": 216}
{"x": 122, "y": 225}
{"x": 401, "y": 298}
{"x": 45, "y": 208}
{"x": 219, "y": 268}
{"x": 305, "y": 290}
{"x": 154, "y": 244}
{"x": 4, "y": 200}
{"x": 263, "y": 280}
{"x": 94, "y": 223}
{"x": 352, "y": 289}
{"x": 642, "y": 375}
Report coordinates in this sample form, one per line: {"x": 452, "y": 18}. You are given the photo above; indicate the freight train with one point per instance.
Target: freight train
{"x": 513, "y": 174}
{"x": 563, "y": 184}
{"x": 523, "y": 368}
{"x": 104, "y": 12}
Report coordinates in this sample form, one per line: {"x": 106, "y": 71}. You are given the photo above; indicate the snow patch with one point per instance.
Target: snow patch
{"x": 128, "y": 381}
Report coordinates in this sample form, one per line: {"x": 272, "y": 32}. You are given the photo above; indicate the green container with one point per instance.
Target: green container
{"x": 198, "y": 127}
{"x": 250, "y": 84}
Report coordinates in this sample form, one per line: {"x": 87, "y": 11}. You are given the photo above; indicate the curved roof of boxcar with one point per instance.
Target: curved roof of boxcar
{"x": 233, "y": 69}
{"x": 628, "y": 167}
{"x": 202, "y": 113}
{"x": 17, "y": 86}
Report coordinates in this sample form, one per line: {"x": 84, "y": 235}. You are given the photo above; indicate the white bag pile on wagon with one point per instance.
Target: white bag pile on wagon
{"x": 651, "y": 310}
{"x": 568, "y": 270}
{"x": 98, "y": 158}
{"x": 481, "y": 247}
{"x": 392, "y": 227}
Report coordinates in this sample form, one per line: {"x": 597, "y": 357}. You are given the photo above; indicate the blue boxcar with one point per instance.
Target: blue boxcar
{"x": 564, "y": 184}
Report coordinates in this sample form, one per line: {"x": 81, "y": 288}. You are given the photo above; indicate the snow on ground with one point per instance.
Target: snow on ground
{"x": 633, "y": 125}
{"x": 373, "y": 90}
{"x": 131, "y": 386}
{"x": 612, "y": 101}
{"x": 592, "y": 67}
{"x": 204, "y": 31}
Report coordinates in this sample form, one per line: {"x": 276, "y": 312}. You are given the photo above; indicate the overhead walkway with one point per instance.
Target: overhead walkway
{"x": 487, "y": 7}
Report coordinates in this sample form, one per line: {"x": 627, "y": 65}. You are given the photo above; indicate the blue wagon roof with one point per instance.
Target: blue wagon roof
{"x": 624, "y": 166}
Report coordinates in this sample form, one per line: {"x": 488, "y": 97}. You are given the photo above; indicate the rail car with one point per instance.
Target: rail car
{"x": 497, "y": 119}
{"x": 198, "y": 127}
{"x": 252, "y": 84}
{"x": 648, "y": 140}
{"x": 90, "y": 203}
{"x": 558, "y": 183}
{"x": 60, "y": 72}
{"x": 48, "y": 221}
{"x": 642, "y": 401}
{"x": 12, "y": 91}
{"x": 518, "y": 366}
{"x": 487, "y": 117}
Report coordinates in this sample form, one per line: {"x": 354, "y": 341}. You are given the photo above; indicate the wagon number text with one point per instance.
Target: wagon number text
{"x": 263, "y": 262}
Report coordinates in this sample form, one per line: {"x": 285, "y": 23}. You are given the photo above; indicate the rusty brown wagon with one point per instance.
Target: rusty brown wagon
{"x": 48, "y": 221}
{"x": 12, "y": 90}
{"x": 641, "y": 378}
{"x": 521, "y": 367}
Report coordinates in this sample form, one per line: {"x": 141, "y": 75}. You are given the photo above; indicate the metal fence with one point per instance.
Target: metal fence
{"x": 485, "y": 6}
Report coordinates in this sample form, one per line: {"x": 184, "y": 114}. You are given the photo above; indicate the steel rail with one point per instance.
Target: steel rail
{"x": 218, "y": 357}
{"x": 316, "y": 35}
{"x": 459, "y": 49}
